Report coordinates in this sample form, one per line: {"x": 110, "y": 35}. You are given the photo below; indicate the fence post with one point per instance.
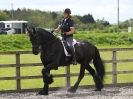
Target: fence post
{"x": 114, "y": 68}
{"x": 18, "y": 82}
{"x": 68, "y": 76}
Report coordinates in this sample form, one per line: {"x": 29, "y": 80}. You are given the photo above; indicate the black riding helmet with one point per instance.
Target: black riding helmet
{"x": 67, "y": 10}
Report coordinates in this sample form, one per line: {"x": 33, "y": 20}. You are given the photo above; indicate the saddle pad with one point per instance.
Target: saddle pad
{"x": 66, "y": 52}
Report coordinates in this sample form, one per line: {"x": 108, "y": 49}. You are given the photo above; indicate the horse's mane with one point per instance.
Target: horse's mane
{"x": 46, "y": 32}
{"x": 42, "y": 29}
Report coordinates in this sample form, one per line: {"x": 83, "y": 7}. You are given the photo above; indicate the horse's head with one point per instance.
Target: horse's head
{"x": 39, "y": 38}
{"x": 35, "y": 40}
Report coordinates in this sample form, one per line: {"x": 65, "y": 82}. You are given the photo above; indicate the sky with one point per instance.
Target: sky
{"x": 100, "y": 9}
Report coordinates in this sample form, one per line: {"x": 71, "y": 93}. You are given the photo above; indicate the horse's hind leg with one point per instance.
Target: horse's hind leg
{"x": 98, "y": 82}
{"x": 80, "y": 77}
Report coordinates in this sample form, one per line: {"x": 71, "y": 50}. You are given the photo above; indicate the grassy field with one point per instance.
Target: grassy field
{"x": 101, "y": 40}
{"x": 38, "y": 83}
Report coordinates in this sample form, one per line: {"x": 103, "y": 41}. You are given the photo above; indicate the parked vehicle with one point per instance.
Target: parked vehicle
{"x": 7, "y": 31}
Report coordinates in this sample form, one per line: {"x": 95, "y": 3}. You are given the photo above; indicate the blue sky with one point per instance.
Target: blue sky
{"x": 106, "y": 9}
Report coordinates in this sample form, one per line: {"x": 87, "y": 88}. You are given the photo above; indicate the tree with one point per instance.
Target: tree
{"x": 54, "y": 15}
{"x": 3, "y": 16}
{"x": 86, "y": 18}
{"x": 125, "y": 24}
{"x": 48, "y": 19}
{"x": 101, "y": 24}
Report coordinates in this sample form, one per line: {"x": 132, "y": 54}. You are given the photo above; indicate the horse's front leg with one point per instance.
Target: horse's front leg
{"x": 45, "y": 90}
{"x": 47, "y": 79}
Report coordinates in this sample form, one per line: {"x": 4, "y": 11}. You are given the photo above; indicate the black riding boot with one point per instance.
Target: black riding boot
{"x": 74, "y": 62}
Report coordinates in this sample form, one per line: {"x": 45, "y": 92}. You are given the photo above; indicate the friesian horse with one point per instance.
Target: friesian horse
{"x": 53, "y": 56}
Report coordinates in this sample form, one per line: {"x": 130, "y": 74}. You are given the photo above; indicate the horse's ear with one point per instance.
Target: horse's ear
{"x": 28, "y": 31}
{"x": 34, "y": 30}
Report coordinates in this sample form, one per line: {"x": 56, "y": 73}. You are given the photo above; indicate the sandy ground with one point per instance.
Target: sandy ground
{"x": 106, "y": 93}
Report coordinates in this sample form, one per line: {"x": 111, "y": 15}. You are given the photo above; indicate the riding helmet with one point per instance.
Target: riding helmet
{"x": 67, "y": 10}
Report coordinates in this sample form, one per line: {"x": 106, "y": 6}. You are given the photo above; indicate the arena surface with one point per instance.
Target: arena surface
{"x": 106, "y": 93}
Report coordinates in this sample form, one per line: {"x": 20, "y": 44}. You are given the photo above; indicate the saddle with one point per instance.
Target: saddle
{"x": 66, "y": 46}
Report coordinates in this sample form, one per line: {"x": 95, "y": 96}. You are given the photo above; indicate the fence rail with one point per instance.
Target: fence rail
{"x": 67, "y": 74}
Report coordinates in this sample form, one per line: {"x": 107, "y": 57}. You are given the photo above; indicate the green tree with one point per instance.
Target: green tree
{"x": 101, "y": 24}
{"x": 3, "y": 16}
{"x": 124, "y": 24}
{"x": 86, "y": 18}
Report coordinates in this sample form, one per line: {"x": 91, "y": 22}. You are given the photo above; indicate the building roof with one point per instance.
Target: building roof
{"x": 14, "y": 21}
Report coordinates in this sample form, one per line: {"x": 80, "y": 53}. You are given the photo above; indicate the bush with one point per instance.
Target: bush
{"x": 106, "y": 38}
{"x": 14, "y": 42}
{"x": 21, "y": 42}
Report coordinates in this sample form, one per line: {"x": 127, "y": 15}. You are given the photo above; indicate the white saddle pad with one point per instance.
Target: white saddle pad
{"x": 66, "y": 52}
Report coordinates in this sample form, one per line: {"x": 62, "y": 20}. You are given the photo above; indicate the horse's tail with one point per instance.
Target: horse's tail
{"x": 99, "y": 65}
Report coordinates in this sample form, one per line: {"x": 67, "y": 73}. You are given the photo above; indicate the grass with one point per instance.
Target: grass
{"x": 118, "y": 39}
{"x": 38, "y": 83}
{"x": 14, "y": 42}
{"x": 22, "y": 42}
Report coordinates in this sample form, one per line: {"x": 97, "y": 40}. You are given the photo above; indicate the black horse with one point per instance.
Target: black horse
{"x": 53, "y": 56}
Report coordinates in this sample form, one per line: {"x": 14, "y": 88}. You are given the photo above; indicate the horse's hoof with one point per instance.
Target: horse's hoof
{"x": 97, "y": 90}
{"x": 42, "y": 92}
{"x": 72, "y": 90}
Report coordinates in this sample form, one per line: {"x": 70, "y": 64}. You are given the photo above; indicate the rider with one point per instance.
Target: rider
{"x": 66, "y": 26}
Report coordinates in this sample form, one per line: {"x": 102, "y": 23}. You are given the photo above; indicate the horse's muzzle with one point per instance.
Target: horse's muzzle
{"x": 35, "y": 51}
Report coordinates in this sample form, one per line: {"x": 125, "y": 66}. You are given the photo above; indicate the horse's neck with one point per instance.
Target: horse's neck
{"x": 49, "y": 45}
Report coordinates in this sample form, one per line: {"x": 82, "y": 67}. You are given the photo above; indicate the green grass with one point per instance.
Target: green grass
{"x": 101, "y": 40}
{"x": 38, "y": 83}
{"x": 14, "y": 42}
{"x": 107, "y": 39}
{"x": 22, "y": 42}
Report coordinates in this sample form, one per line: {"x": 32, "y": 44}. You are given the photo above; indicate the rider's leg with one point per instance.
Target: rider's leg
{"x": 71, "y": 46}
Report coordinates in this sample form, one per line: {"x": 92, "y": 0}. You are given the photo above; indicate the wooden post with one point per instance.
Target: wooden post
{"x": 68, "y": 76}
{"x": 114, "y": 68}
{"x": 18, "y": 82}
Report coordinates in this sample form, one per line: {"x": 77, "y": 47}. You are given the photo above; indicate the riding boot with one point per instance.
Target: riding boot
{"x": 74, "y": 62}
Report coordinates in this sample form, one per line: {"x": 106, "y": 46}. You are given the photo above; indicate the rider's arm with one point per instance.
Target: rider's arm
{"x": 72, "y": 30}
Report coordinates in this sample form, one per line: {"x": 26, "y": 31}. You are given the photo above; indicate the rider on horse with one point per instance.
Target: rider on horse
{"x": 66, "y": 26}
